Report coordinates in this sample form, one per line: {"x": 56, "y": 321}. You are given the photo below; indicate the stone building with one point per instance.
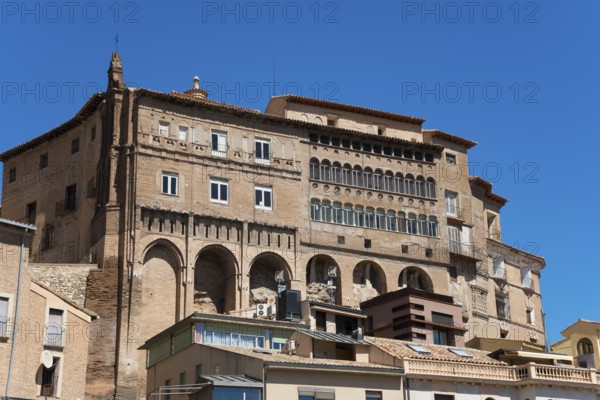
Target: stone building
{"x": 192, "y": 205}
{"x": 43, "y": 332}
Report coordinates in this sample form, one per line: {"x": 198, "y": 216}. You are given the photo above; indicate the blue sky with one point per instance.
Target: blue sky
{"x": 521, "y": 78}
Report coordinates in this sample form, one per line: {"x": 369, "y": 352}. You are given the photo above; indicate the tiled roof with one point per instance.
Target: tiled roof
{"x": 399, "y": 349}
{"x": 487, "y": 187}
{"x": 275, "y": 357}
{"x": 452, "y": 138}
{"x": 331, "y": 337}
{"x": 351, "y": 108}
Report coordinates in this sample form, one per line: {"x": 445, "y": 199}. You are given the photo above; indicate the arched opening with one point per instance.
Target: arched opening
{"x": 585, "y": 346}
{"x": 160, "y": 281}
{"x": 263, "y": 284}
{"x": 323, "y": 280}
{"x": 368, "y": 281}
{"x": 214, "y": 280}
{"x": 415, "y": 278}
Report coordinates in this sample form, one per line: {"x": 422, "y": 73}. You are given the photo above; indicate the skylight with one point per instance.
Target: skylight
{"x": 461, "y": 353}
{"x": 418, "y": 349}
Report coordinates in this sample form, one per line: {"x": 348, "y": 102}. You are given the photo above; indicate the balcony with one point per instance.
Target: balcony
{"x": 527, "y": 283}
{"x": 455, "y": 212}
{"x": 499, "y": 274}
{"x": 508, "y": 373}
{"x": 463, "y": 249}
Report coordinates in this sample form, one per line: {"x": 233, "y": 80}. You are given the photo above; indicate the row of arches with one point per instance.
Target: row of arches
{"x": 215, "y": 285}
{"x": 376, "y": 218}
{"x": 368, "y": 178}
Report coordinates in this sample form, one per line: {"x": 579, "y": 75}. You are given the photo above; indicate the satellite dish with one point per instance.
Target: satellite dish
{"x": 47, "y": 359}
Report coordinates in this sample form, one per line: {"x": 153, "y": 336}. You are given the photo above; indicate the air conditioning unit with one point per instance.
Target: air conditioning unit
{"x": 262, "y": 310}
{"x": 289, "y": 347}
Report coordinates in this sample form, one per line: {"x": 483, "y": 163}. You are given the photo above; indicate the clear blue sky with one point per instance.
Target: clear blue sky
{"x": 520, "y": 78}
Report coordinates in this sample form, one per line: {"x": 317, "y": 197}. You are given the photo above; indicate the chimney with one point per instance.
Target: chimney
{"x": 196, "y": 91}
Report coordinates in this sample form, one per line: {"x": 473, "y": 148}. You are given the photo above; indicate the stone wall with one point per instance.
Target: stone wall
{"x": 68, "y": 280}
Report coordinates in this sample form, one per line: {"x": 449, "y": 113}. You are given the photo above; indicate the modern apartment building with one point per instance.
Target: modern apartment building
{"x": 192, "y": 205}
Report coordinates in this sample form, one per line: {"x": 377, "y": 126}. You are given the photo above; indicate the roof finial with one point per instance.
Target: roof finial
{"x": 197, "y": 91}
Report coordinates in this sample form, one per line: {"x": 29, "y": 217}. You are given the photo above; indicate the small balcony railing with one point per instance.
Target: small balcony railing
{"x": 463, "y": 249}
{"x": 219, "y": 150}
{"x": 455, "y": 212}
{"x": 499, "y": 274}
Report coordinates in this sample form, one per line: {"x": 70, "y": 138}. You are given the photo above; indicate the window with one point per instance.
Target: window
{"x": 347, "y": 215}
{"x": 443, "y": 397}
{"x": 43, "y": 160}
{"x": 234, "y": 339}
{"x": 380, "y": 219}
{"x": 357, "y": 176}
{"x": 454, "y": 239}
{"x": 262, "y": 151}
{"x": 12, "y": 174}
{"x": 71, "y": 198}
{"x": 321, "y": 321}
{"x": 325, "y": 171}
{"x": 337, "y": 213}
{"x": 585, "y": 346}
{"x": 263, "y": 197}
{"x": 315, "y": 212}
{"x": 198, "y": 373}
{"x": 502, "y": 308}
{"x": 452, "y": 204}
{"x": 219, "y": 143}
{"x": 526, "y": 281}
{"x": 347, "y": 175}
{"x": 451, "y": 158}
{"x": 461, "y": 353}
{"x": 314, "y": 169}
{"x": 398, "y": 183}
{"x": 368, "y": 178}
{"x": 219, "y": 190}
{"x": 168, "y": 391}
{"x": 369, "y": 217}
{"x": 378, "y": 180}
{"x": 50, "y": 379}
{"x": 326, "y": 211}
{"x": 4, "y": 317}
{"x": 388, "y": 182}
{"x": 183, "y": 132}
{"x": 418, "y": 349}
{"x": 48, "y": 237}
{"x": 530, "y": 315}
{"x": 30, "y": 211}
{"x": 409, "y": 185}
{"x": 182, "y": 378}
{"x": 372, "y": 395}
{"x": 331, "y": 121}
{"x": 432, "y": 226}
{"x": 93, "y": 134}
{"x": 498, "y": 268}
{"x": 420, "y": 186}
{"x": 391, "y": 221}
{"x": 440, "y": 336}
{"x": 335, "y": 173}
{"x": 422, "y": 225}
{"x": 401, "y": 222}
{"x": 163, "y": 128}
{"x": 359, "y": 216}
{"x": 411, "y": 224}
{"x": 54, "y": 329}
{"x": 74, "y": 145}
{"x": 430, "y": 188}
{"x": 169, "y": 183}
{"x": 309, "y": 393}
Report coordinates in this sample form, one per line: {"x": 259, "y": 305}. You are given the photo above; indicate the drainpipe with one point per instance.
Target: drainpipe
{"x": 547, "y": 347}
{"x": 406, "y": 389}
{"x": 14, "y": 333}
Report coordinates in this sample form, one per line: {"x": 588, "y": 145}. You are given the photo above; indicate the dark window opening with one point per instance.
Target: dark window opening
{"x": 74, "y": 146}
{"x": 321, "y": 321}
{"x": 43, "y": 160}
{"x": 12, "y": 174}
{"x": 71, "y": 198}
{"x": 30, "y": 212}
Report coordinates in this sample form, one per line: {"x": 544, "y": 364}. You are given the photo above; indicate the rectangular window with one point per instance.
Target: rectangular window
{"x": 43, "y": 160}
{"x": 502, "y": 310}
{"x": 54, "y": 329}
{"x": 74, "y": 145}
{"x": 169, "y": 183}
{"x": 443, "y": 397}
{"x": 452, "y": 204}
{"x": 263, "y": 197}
{"x": 219, "y": 190}
{"x": 168, "y": 392}
{"x": 71, "y": 198}
{"x": 12, "y": 174}
{"x": 451, "y": 159}
{"x": 347, "y": 215}
{"x": 372, "y": 395}
{"x": 3, "y": 317}
{"x": 262, "y": 151}
{"x": 93, "y": 134}
{"x": 321, "y": 321}
{"x": 346, "y": 176}
{"x": 182, "y": 378}
{"x": 454, "y": 239}
{"x": 219, "y": 143}
{"x": 30, "y": 211}
{"x": 198, "y": 373}
{"x": 163, "y": 128}
{"x": 183, "y": 133}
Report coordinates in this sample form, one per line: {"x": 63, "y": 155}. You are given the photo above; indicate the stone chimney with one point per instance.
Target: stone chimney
{"x": 196, "y": 91}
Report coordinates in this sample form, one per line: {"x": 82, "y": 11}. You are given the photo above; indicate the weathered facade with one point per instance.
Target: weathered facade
{"x": 36, "y": 322}
{"x": 187, "y": 205}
